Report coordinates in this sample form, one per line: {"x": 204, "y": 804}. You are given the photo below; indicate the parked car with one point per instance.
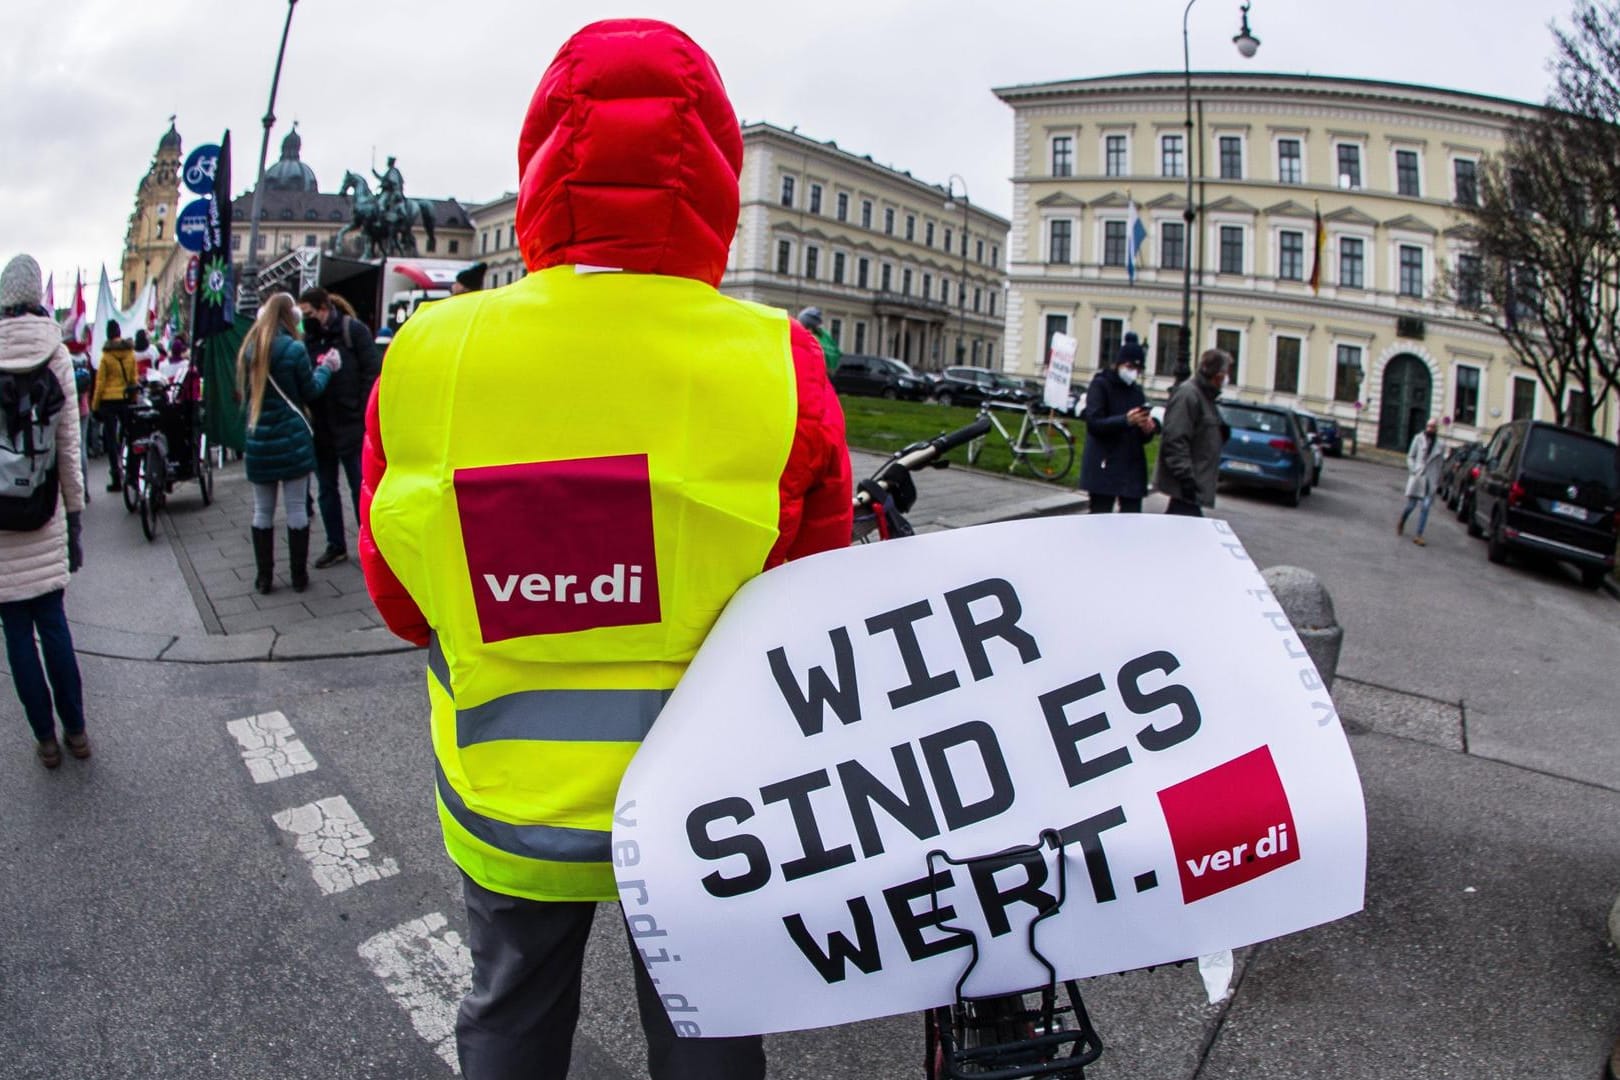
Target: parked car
{"x": 1331, "y": 435}
{"x": 973, "y": 386}
{"x": 879, "y": 376}
{"x": 1548, "y": 489}
{"x": 1313, "y": 439}
{"x": 1454, "y": 472}
{"x": 1267, "y": 448}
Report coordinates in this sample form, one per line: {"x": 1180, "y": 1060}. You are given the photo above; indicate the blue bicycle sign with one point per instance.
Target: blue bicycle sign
{"x": 199, "y": 169}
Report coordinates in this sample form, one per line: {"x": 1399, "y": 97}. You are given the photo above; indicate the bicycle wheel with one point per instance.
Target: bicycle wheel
{"x": 1049, "y": 450}
{"x": 205, "y": 470}
{"x": 150, "y": 487}
{"x": 132, "y": 475}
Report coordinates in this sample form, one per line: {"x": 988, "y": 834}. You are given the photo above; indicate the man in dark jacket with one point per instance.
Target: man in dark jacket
{"x": 338, "y": 417}
{"x": 1194, "y": 433}
{"x": 1118, "y": 427}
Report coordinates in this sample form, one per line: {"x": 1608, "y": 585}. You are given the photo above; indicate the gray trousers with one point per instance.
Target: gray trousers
{"x": 518, "y": 1021}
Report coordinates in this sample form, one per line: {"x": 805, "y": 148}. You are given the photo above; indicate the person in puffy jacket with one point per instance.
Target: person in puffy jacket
{"x": 670, "y": 444}
{"x": 1119, "y": 426}
{"x": 273, "y": 368}
{"x": 35, "y": 563}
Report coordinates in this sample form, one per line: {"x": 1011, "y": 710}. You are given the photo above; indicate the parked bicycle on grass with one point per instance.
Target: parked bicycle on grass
{"x": 1041, "y": 444}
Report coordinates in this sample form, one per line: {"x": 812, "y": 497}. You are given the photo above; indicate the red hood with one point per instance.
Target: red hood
{"x": 629, "y": 156}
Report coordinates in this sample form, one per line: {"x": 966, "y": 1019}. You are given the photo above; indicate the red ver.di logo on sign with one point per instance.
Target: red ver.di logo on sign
{"x": 1229, "y": 825}
{"x": 559, "y": 546}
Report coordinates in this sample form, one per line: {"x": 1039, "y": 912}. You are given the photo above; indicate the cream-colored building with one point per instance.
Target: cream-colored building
{"x": 495, "y": 233}
{"x": 897, "y": 268}
{"x": 1381, "y": 342}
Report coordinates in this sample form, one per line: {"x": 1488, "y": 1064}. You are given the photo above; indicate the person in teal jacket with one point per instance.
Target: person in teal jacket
{"x": 274, "y": 369}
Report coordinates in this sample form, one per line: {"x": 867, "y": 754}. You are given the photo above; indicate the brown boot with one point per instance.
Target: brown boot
{"x": 78, "y": 744}
{"x": 50, "y": 753}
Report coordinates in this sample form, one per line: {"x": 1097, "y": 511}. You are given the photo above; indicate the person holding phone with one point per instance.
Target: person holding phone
{"x": 1113, "y": 467}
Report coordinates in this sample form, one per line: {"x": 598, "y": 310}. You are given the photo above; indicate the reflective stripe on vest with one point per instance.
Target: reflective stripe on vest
{"x": 581, "y": 470}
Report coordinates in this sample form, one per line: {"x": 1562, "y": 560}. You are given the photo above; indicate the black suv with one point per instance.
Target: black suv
{"x": 1550, "y": 490}
{"x": 879, "y": 376}
{"x": 974, "y": 386}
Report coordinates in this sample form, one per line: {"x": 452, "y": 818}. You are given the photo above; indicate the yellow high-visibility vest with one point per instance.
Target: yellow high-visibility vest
{"x": 582, "y": 469}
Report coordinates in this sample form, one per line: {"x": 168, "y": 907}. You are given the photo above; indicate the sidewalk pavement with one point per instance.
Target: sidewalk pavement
{"x": 188, "y": 595}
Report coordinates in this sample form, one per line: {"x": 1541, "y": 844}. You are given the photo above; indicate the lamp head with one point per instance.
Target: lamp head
{"x": 1246, "y": 43}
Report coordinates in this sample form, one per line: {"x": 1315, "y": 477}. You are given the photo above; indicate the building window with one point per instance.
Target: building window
{"x": 928, "y": 233}
{"x": 945, "y": 289}
{"x": 1349, "y": 165}
{"x": 1470, "y": 281}
{"x": 1290, "y": 162}
{"x": 1231, "y": 249}
{"x": 976, "y": 354}
{"x": 866, "y": 213}
{"x": 863, "y": 272}
{"x": 1352, "y": 263}
{"x": 995, "y": 254}
{"x": 1113, "y": 243}
{"x": 1060, "y": 236}
{"x": 838, "y": 268}
{"x": 1172, "y": 156}
{"x": 911, "y": 228}
{"x": 978, "y": 295}
{"x": 1347, "y": 374}
{"x": 928, "y": 286}
{"x": 787, "y": 191}
{"x": 260, "y": 245}
{"x": 905, "y": 281}
{"x": 886, "y": 278}
{"x": 236, "y": 241}
{"x": 843, "y": 206}
{"x": 1524, "y": 398}
{"x": 432, "y": 244}
{"x": 992, "y": 299}
{"x": 1291, "y": 255}
{"x": 1055, "y": 324}
{"x": 455, "y": 246}
{"x": 1406, "y": 173}
{"x": 812, "y": 262}
{"x": 1114, "y": 150}
{"x": 784, "y": 257}
{"x": 309, "y": 240}
{"x": 1173, "y": 245}
{"x": 978, "y": 252}
{"x": 837, "y": 330}
{"x": 1166, "y": 349}
{"x": 1285, "y": 375}
{"x": 860, "y": 337}
{"x": 1063, "y": 155}
{"x": 1466, "y": 174}
{"x": 947, "y": 238}
{"x": 1231, "y": 157}
{"x": 888, "y": 221}
{"x": 1465, "y": 409}
{"x": 1411, "y": 270}
{"x": 483, "y": 243}
{"x": 1110, "y": 334}
{"x": 815, "y": 198}
{"x": 1230, "y": 342}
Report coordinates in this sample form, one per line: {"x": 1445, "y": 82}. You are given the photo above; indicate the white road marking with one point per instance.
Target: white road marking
{"x": 270, "y": 749}
{"x": 336, "y": 843}
{"x": 427, "y": 970}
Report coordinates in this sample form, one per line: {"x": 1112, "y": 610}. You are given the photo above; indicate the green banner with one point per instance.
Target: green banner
{"x": 225, "y": 417}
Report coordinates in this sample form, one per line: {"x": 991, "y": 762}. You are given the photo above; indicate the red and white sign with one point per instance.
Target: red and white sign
{"x": 1143, "y": 695}
{"x": 559, "y": 546}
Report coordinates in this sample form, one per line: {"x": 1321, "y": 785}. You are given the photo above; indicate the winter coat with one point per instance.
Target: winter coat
{"x": 339, "y": 415}
{"x": 1423, "y": 465}
{"x": 1115, "y": 461}
{"x": 35, "y": 563}
{"x": 280, "y": 446}
{"x": 115, "y": 375}
{"x": 669, "y": 209}
{"x": 1193, "y": 437}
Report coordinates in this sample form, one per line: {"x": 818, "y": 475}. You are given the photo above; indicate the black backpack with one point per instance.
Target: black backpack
{"x": 29, "y": 402}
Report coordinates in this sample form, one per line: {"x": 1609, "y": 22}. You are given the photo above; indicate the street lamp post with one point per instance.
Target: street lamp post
{"x": 961, "y": 285}
{"x": 1246, "y": 44}
{"x": 250, "y": 270}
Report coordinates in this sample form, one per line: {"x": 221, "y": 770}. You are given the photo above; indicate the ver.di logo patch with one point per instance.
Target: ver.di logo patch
{"x": 555, "y": 547}
{"x": 1230, "y": 825}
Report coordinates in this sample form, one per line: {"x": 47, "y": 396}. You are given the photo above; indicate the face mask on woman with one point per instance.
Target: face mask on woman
{"x": 1127, "y": 375}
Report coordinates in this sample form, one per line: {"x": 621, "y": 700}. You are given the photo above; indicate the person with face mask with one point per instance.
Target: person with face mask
{"x": 1113, "y": 468}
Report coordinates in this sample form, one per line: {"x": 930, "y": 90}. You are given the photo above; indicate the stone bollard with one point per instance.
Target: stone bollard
{"x": 1308, "y": 605}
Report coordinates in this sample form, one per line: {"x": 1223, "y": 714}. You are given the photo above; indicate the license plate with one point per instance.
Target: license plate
{"x": 1243, "y": 466}
{"x": 1569, "y": 510}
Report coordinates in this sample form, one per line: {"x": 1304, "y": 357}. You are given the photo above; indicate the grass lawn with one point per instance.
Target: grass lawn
{"x": 885, "y": 426}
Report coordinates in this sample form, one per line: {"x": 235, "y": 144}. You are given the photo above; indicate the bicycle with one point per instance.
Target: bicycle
{"x": 1042, "y": 444}
{"x": 156, "y": 422}
{"x": 881, "y": 501}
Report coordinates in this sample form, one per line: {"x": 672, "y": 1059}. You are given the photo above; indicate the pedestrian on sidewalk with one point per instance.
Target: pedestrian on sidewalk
{"x": 84, "y": 380}
{"x": 274, "y": 369}
{"x": 539, "y": 481}
{"x": 338, "y": 416}
{"x": 115, "y": 381}
{"x": 1113, "y": 467}
{"x": 39, "y": 533}
{"x": 1194, "y": 434}
{"x": 1424, "y": 460}
{"x": 810, "y": 319}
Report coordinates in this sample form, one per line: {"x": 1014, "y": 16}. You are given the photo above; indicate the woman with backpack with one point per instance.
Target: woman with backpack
{"x": 274, "y": 370}
{"x": 41, "y": 497}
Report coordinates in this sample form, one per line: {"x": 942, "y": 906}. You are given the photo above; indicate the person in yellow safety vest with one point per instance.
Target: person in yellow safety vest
{"x": 564, "y": 481}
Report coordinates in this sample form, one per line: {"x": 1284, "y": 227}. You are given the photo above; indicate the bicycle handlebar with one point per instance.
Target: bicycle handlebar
{"x": 918, "y": 455}
{"x": 944, "y": 444}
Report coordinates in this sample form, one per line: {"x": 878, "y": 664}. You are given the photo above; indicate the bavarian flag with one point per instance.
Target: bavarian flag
{"x": 1135, "y": 233}
{"x": 1320, "y": 247}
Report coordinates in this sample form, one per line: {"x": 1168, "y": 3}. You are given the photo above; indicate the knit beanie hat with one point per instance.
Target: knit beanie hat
{"x": 20, "y": 283}
{"x": 1131, "y": 351}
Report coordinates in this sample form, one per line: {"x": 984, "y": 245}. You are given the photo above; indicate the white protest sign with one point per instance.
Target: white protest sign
{"x": 1059, "y": 370}
{"x": 1126, "y": 680}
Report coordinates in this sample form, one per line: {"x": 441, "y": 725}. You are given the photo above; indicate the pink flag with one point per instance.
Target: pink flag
{"x": 50, "y": 294}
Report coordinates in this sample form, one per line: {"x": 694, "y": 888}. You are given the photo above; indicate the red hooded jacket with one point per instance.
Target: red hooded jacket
{"x": 629, "y": 158}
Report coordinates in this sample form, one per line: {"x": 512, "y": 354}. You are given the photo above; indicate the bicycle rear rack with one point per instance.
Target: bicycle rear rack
{"x": 1004, "y": 1036}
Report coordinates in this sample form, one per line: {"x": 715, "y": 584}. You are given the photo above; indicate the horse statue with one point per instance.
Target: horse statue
{"x": 385, "y": 227}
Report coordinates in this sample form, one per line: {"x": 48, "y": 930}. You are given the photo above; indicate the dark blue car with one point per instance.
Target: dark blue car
{"x": 1267, "y": 449}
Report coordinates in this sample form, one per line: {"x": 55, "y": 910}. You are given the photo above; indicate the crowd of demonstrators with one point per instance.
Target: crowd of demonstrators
{"x": 42, "y": 493}
{"x": 1119, "y": 425}
{"x": 1424, "y": 460}
{"x": 1193, "y": 434}
{"x": 275, "y": 374}
{"x": 810, "y": 319}
{"x": 116, "y": 377}
{"x": 540, "y": 468}
{"x": 338, "y": 416}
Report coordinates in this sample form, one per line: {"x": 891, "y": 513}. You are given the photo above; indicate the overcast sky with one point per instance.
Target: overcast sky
{"x": 86, "y": 86}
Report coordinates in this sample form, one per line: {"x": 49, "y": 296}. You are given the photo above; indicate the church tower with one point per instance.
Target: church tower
{"x": 149, "y": 245}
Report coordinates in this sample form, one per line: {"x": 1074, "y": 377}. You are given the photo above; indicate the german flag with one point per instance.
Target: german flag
{"x": 1321, "y": 248}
